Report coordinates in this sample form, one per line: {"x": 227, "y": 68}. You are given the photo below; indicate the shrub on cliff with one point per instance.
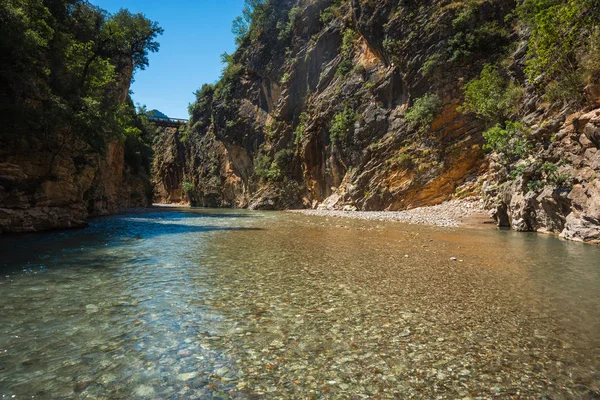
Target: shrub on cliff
{"x": 273, "y": 169}
{"x": 490, "y": 97}
{"x": 561, "y": 46}
{"x": 509, "y": 140}
{"x": 341, "y": 125}
{"x": 422, "y": 113}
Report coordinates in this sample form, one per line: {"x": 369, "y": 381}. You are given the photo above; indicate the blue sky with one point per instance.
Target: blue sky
{"x": 196, "y": 33}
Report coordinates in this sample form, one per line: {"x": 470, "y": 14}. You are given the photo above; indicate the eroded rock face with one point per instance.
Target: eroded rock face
{"x": 282, "y": 106}
{"x": 168, "y": 168}
{"x": 269, "y": 143}
{"x": 570, "y": 209}
{"x": 41, "y": 191}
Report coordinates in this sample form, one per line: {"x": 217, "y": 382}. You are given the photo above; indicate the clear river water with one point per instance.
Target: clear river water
{"x": 218, "y": 304}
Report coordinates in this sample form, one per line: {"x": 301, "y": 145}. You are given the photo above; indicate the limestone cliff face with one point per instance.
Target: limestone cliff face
{"x": 573, "y": 210}
{"x": 41, "y": 191}
{"x": 169, "y": 167}
{"x": 314, "y": 112}
{"x": 57, "y": 183}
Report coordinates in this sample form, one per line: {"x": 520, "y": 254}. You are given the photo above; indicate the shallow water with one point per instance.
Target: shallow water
{"x": 196, "y": 304}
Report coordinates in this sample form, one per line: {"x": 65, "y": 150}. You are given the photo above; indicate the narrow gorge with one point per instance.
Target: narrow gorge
{"x": 349, "y": 211}
{"x": 391, "y": 105}
{"x": 330, "y": 104}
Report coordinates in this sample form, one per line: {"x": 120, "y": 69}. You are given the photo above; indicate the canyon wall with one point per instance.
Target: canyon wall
{"x": 358, "y": 105}
{"x": 40, "y": 190}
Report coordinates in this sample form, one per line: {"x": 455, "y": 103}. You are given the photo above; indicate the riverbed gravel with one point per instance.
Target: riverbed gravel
{"x": 230, "y": 304}
{"x": 451, "y": 213}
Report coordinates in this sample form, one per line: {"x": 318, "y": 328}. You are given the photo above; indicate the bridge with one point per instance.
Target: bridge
{"x": 170, "y": 122}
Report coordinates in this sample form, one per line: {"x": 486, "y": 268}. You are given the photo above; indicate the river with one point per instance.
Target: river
{"x": 218, "y": 304}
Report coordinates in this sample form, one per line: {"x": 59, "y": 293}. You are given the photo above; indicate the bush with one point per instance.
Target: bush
{"x": 187, "y": 187}
{"x": 286, "y": 28}
{"x": 559, "y": 31}
{"x": 341, "y": 125}
{"x": 344, "y": 67}
{"x": 299, "y": 131}
{"x": 347, "y": 52}
{"x": 331, "y": 12}
{"x": 359, "y": 69}
{"x": 567, "y": 89}
{"x": 563, "y": 44}
{"x": 224, "y": 88}
{"x": 591, "y": 59}
{"x": 431, "y": 65}
{"x": 490, "y": 97}
{"x": 488, "y": 38}
{"x": 423, "y": 111}
{"x": 509, "y": 141}
{"x": 553, "y": 177}
{"x": 348, "y": 42}
{"x": 404, "y": 161}
{"x": 262, "y": 163}
{"x": 535, "y": 185}
{"x": 274, "y": 170}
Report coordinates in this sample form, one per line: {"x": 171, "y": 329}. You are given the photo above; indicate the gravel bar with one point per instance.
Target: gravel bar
{"x": 448, "y": 214}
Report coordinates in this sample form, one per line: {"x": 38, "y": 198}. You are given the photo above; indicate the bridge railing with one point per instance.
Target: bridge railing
{"x": 167, "y": 121}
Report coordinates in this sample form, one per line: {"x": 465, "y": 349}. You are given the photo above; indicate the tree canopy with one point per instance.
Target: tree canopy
{"x": 65, "y": 70}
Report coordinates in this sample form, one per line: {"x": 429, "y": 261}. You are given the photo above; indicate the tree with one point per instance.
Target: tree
{"x": 65, "y": 67}
{"x": 490, "y": 97}
{"x": 561, "y": 35}
{"x": 253, "y": 11}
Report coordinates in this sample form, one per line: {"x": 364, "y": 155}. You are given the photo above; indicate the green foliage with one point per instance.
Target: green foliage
{"x": 241, "y": 25}
{"x": 567, "y": 88}
{"x": 262, "y": 164}
{"x": 300, "y": 128}
{"x": 224, "y": 88}
{"x": 187, "y": 187}
{"x": 490, "y": 97}
{"x": 487, "y": 38}
{"x": 347, "y": 52}
{"x": 330, "y": 13}
{"x": 199, "y": 110}
{"x": 138, "y": 135}
{"x": 269, "y": 130}
{"x": 341, "y": 125}
{"x": 285, "y": 78}
{"x": 466, "y": 15}
{"x": 390, "y": 45}
{"x": 285, "y": 28}
{"x": 563, "y": 47}
{"x": 423, "y": 111}
{"x": 554, "y": 177}
{"x": 327, "y": 15}
{"x": 276, "y": 169}
{"x": 348, "y": 43}
{"x": 432, "y": 64}
{"x": 535, "y": 185}
{"x": 403, "y": 160}
{"x": 590, "y": 58}
{"x": 359, "y": 69}
{"x": 559, "y": 30}
{"x": 344, "y": 68}
{"x": 509, "y": 141}
{"x": 266, "y": 19}
{"x": 65, "y": 69}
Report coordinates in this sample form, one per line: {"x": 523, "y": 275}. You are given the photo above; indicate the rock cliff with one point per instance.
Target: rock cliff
{"x": 71, "y": 142}
{"x": 360, "y": 105}
{"x": 41, "y": 191}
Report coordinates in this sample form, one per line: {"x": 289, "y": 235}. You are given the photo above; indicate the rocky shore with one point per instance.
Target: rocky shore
{"x": 448, "y": 214}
